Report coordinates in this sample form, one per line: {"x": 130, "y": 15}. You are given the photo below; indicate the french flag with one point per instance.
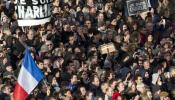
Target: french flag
{"x": 29, "y": 77}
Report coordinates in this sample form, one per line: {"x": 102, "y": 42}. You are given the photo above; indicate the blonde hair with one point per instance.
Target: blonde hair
{"x": 78, "y": 9}
{"x": 104, "y": 87}
{"x": 85, "y": 9}
{"x": 144, "y": 96}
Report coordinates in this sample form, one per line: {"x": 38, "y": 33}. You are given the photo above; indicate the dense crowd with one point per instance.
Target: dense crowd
{"x": 67, "y": 51}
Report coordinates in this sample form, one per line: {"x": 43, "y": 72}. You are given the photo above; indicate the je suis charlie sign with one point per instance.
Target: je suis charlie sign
{"x": 33, "y": 12}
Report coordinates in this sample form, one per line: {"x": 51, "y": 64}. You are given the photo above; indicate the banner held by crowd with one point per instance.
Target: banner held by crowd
{"x": 33, "y": 12}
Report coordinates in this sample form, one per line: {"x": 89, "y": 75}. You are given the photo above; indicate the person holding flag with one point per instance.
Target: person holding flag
{"x": 29, "y": 77}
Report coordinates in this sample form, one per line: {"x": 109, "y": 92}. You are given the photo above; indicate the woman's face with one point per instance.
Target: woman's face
{"x": 68, "y": 94}
{"x": 83, "y": 91}
{"x": 100, "y": 17}
{"x": 96, "y": 81}
{"x": 133, "y": 87}
{"x": 110, "y": 76}
{"x": 30, "y": 35}
{"x": 121, "y": 86}
{"x": 135, "y": 26}
{"x": 84, "y": 75}
{"x": 49, "y": 27}
{"x": 55, "y": 10}
{"x": 125, "y": 27}
{"x": 139, "y": 80}
{"x": 109, "y": 91}
{"x": 150, "y": 38}
{"x": 57, "y": 75}
{"x": 4, "y": 19}
{"x": 104, "y": 87}
{"x": 54, "y": 80}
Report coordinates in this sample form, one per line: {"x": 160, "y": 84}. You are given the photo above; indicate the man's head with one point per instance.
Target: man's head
{"x": 100, "y": 17}
{"x": 80, "y": 30}
{"x": 30, "y": 34}
{"x": 139, "y": 79}
{"x": 141, "y": 88}
{"x": 6, "y": 89}
{"x": 72, "y": 39}
{"x": 40, "y": 64}
{"x": 47, "y": 63}
{"x": 74, "y": 79}
{"x": 9, "y": 68}
{"x": 146, "y": 64}
{"x": 88, "y": 24}
{"x": 66, "y": 28}
{"x": 49, "y": 44}
{"x": 149, "y": 27}
{"x": 49, "y": 27}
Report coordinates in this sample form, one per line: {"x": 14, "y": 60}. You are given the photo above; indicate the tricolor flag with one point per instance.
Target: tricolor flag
{"x": 29, "y": 77}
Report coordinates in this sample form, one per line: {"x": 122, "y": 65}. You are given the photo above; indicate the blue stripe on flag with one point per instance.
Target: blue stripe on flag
{"x": 31, "y": 66}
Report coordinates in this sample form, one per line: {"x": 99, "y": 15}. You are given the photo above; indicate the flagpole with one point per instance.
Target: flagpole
{"x": 45, "y": 82}
{"x": 26, "y": 47}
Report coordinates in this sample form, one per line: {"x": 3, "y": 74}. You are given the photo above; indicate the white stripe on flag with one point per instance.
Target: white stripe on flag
{"x": 26, "y": 80}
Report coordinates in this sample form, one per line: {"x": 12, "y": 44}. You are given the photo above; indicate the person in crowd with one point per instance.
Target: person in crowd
{"x": 68, "y": 51}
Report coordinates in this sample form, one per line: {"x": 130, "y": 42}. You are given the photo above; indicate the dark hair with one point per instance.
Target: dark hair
{"x": 136, "y": 76}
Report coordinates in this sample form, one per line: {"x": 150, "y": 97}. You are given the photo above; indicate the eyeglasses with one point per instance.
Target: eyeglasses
{"x": 46, "y": 64}
{"x": 140, "y": 79}
{"x": 49, "y": 44}
{"x": 88, "y": 23}
{"x": 71, "y": 39}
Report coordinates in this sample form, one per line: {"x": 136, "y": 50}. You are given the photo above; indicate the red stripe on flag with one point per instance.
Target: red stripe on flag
{"x": 19, "y": 93}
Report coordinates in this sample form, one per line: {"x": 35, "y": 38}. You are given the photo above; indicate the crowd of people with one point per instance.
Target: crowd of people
{"x": 67, "y": 50}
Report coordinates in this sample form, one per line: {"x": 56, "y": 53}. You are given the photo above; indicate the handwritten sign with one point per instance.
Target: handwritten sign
{"x": 107, "y": 48}
{"x": 136, "y": 6}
